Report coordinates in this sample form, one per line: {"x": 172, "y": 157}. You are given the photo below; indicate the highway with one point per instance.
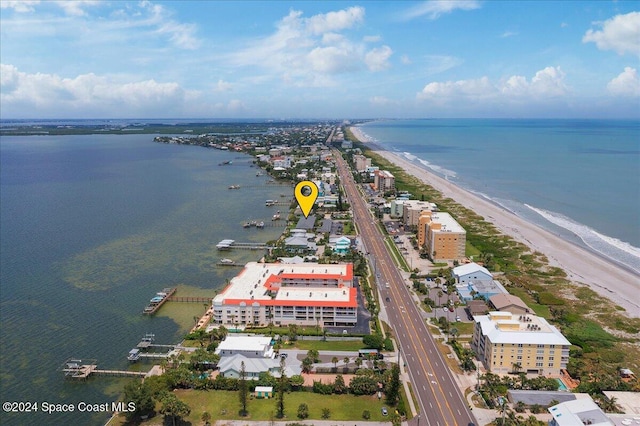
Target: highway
{"x": 439, "y": 398}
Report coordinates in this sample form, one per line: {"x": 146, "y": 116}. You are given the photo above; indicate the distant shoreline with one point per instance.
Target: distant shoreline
{"x": 582, "y": 266}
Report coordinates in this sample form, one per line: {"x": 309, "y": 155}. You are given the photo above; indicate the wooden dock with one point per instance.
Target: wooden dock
{"x": 190, "y": 299}
{"x": 232, "y": 244}
{"x": 153, "y": 307}
{"x": 76, "y": 370}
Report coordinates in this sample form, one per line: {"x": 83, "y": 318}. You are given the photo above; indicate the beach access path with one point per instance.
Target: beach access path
{"x": 581, "y": 265}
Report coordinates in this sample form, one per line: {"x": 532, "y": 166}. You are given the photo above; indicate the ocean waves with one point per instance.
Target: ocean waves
{"x": 446, "y": 173}
{"x": 619, "y": 251}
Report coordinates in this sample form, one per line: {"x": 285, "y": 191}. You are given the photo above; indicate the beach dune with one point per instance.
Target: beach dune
{"x": 582, "y": 266}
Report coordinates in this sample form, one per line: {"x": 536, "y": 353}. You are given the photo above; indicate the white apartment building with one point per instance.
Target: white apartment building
{"x": 304, "y": 294}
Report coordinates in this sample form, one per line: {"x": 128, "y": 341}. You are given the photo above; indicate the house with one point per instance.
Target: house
{"x": 469, "y": 272}
{"x": 477, "y": 307}
{"x": 248, "y": 346}
{"x": 341, "y": 245}
{"x": 509, "y": 303}
{"x": 484, "y": 289}
{"x": 581, "y": 411}
{"x": 231, "y": 367}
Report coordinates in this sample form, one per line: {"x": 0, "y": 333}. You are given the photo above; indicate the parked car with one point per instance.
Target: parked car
{"x": 384, "y": 411}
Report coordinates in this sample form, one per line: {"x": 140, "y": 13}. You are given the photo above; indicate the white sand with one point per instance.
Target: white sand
{"x": 581, "y": 265}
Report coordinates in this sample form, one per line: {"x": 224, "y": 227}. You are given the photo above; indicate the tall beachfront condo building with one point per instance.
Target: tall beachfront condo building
{"x": 507, "y": 342}
{"x": 308, "y": 294}
{"x": 442, "y": 237}
{"x": 361, "y": 162}
{"x": 384, "y": 181}
{"x": 412, "y": 209}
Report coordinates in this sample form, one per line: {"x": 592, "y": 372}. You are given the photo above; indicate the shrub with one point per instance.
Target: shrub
{"x": 303, "y": 411}
{"x": 366, "y": 415}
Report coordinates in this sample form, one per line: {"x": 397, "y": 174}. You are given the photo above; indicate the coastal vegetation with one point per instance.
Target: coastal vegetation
{"x": 604, "y": 339}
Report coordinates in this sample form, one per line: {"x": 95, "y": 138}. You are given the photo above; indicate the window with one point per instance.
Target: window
{"x": 539, "y": 364}
{"x": 551, "y": 364}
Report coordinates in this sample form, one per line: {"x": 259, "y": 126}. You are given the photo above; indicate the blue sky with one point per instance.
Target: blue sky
{"x": 321, "y": 59}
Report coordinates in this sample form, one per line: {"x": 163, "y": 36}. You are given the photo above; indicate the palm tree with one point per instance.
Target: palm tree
{"x": 516, "y": 367}
{"x": 440, "y": 293}
{"x": 334, "y": 360}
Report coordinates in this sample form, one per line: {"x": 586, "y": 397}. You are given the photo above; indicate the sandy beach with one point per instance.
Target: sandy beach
{"x": 581, "y": 265}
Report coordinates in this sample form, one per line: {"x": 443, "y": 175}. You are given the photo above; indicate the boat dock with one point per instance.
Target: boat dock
{"x": 77, "y": 369}
{"x": 232, "y": 244}
{"x": 158, "y": 300}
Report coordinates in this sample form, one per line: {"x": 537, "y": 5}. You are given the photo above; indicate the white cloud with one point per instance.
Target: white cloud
{"x": 181, "y": 35}
{"x": 546, "y": 84}
{"x": 507, "y": 34}
{"x": 75, "y": 7}
{"x": 405, "y": 60}
{"x": 433, "y": 9}
{"x": 312, "y": 51}
{"x": 330, "y": 60}
{"x": 335, "y": 21}
{"x": 620, "y": 34}
{"x": 377, "y": 59}
{"x": 626, "y": 84}
{"x": 371, "y": 39}
{"x": 21, "y": 6}
{"x": 87, "y": 94}
{"x": 441, "y": 63}
{"x": 381, "y": 101}
{"x": 223, "y": 86}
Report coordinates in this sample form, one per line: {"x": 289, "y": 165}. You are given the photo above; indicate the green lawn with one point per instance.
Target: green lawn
{"x": 319, "y": 345}
{"x": 224, "y": 405}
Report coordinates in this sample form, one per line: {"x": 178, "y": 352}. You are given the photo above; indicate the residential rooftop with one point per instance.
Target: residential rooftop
{"x": 505, "y": 327}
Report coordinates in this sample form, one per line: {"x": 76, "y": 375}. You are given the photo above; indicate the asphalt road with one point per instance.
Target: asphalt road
{"x": 440, "y": 400}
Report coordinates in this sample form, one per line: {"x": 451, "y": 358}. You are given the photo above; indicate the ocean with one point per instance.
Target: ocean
{"x": 91, "y": 228}
{"x": 580, "y": 179}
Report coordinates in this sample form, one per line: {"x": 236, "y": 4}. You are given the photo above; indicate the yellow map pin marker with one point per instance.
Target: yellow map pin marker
{"x": 306, "y": 193}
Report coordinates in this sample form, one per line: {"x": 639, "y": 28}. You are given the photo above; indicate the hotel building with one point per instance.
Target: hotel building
{"x": 304, "y": 294}
{"x": 384, "y": 181}
{"x": 442, "y": 237}
{"x": 506, "y": 342}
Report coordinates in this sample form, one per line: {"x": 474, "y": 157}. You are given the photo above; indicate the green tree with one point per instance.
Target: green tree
{"x": 296, "y": 381}
{"x": 243, "y": 390}
{"x": 339, "y": 386}
{"x": 392, "y": 389}
{"x": 281, "y": 388}
{"x": 303, "y": 411}
{"x": 373, "y": 341}
{"x": 307, "y": 365}
{"x": 206, "y": 417}
{"x": 334, "y": 360}
{"x": 314, "y": 355}
{"x": 173, "y": 408}
{"x": 141, "y": 395}
{"x": 363, "y": 385}
{"x": 366, "y": 414}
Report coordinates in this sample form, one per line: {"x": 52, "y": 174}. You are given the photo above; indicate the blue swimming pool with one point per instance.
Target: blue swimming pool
{"x": 561, "y": 385}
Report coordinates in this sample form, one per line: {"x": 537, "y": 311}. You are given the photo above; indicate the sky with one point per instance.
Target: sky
{"x": 320, "y": 59}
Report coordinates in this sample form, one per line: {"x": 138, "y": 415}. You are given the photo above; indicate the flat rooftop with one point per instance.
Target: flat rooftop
{"x": 505, "y": 327}
{"x": 257, "y": 282}
{"x": 448, "y": 223}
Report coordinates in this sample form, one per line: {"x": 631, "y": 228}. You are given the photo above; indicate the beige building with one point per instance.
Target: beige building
{"x": 361, "y": 162}
{"x": 412, "y": 209}
{"x": 509, "y": 303}
{"x": 384, "y": 181}
{"x": 506, "y": 342}
{"x": 442, "y": 237}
